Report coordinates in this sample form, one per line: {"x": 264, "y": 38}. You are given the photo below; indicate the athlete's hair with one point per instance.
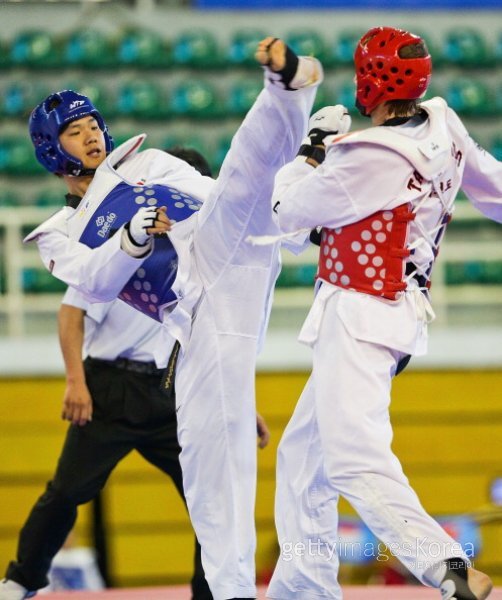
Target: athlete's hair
{"x": 192, "y": 157}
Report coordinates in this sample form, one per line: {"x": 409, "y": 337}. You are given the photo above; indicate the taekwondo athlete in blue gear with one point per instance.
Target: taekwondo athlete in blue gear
{"x": 223, "y": 289}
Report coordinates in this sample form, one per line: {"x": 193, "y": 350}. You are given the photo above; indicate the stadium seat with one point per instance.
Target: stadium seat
{"x": 187, "y": 140}
{"x": 195, "y": 99}
{"x": 242, "y": 94}
{"x": 466, "y": 47}
{"x": 495, "y": 147}
{"x": 142, "y": 99}
{"x": 342, "y": 50}
{"x": 220, "y": 151}
{"x": 198, "y": 49}
{"x": 308, "y": 42}
{"x": 345, "y": 93}
{"x": 4, "y": 55}
{"x": 50, "y": 197}
{"x": 98, "y": 94}
{"x": 17, "y": 157}
{"x": 90, "y": 49}
{"x": 36, "y": 50}
{"x": 242, "y": 47}
{"x": 475, "y": 272}
{"x": 40, "y": 281}
{"x": 470, "y": 97}
{"x": 292, "y": 276}
{"x": 143, "y": 48}
{"x": 9, "y": 198}
{"x": 21, "y": 96}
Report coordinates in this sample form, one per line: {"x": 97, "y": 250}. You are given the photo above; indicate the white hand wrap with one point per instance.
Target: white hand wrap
{"x": 329, "y": 121}
{"x": 142, "y": 220}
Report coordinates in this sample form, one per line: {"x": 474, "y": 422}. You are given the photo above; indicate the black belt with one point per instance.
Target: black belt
{"x": 126, "y": 364}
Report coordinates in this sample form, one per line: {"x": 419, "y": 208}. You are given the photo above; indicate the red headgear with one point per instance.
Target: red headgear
{"x": 381, "y": 74}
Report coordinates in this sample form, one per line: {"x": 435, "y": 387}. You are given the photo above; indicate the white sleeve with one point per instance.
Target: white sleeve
{"x": 96, "y": 311}
{"x": 98, "y": 273}
{"x": 482, "y": 181}
{"x": 239, "y": 203}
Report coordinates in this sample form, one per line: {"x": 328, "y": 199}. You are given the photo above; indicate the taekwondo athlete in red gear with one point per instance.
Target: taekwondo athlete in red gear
{"x": 217, "y": 304}
{"x": 383, "y": 197}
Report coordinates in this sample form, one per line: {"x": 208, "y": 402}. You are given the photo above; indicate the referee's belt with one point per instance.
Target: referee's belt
{"x": 126, "y": 364}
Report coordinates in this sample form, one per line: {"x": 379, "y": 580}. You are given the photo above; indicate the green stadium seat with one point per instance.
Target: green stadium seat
{"x": 90, "y": 49}
{"x": 498, "y": 49}
{"x": 40, "y": 281}
{"x": 342, "y": 50}
{"x": 20, "y": 97}
{"x": 141, "y": 99}
{"x": 17, "y": 157}
{"x": 220, "y": 151}
{"x": 324, "y": 97}
{"x": 466, "y": 47}
{"x": 144, "y": 48}
{"x": 195, "y": 99}
{"x": 187, "y": 140}
{"x": 242, "y": 94}
{"x": 50, "y": 197}
{"x": 5, "y": 62}
{"x": 292, "y": 276}
{"x": 308, "y": 42}
{"x": 242, "y": 47}
{"x": 9, "y": 199}
{"x": 475, "y": 272}
{"x": 198, "y": 49}
{"x": 470, "y": 98}
{"x": 36, "y": 50}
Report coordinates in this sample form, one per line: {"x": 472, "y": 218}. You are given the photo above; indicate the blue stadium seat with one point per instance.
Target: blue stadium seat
{"x": 466, "y": 47}
{"x": 142, "y": 99}
{"x": 144, "y": 48}
{"x": 242, "y": 47}
{"x": 40, "y": 281}
{"x": 495, "y": 147}
{"x": 35, "y": 49}
{"x": 308, "y": 42}
{"x": 242, "y": 94}
{"x": 90, "y": 49}
{"x": 198, "y": 49}
{"x": 195, "y": 99}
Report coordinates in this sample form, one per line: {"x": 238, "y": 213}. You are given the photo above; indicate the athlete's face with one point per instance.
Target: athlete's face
{"x": 84, "y": 140}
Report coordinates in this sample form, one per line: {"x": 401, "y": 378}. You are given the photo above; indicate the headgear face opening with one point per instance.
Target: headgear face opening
{"x": 382, "y": 74}
{"x": 46, "y": 123}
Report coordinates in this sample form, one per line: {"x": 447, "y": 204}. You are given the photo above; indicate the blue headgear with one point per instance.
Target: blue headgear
{"x": 48, "y": 119}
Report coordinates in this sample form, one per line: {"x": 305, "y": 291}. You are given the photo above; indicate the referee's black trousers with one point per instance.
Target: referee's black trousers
{"x": 129, "y": 413}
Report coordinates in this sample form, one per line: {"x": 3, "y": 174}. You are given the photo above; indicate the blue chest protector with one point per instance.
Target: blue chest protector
{"x": 150, "y": 288}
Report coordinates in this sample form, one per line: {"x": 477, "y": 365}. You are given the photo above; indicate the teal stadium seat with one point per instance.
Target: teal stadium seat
{"x": 294, "y": 276}
{"x": 342, "y": 50}
{"x": 17, "y": 157}
{"x": 470, "y": 97}
{"x": 474, "y": 272}
{"x": 242, "y": 94}
{"x": 36, "y": 50}
{"x": 197, "y": 49}
{"x": 21, "y": 96}
{"x": 495, "y": 147}
{"x": 345, "y": 93}
{"x": 144, "y": 48}
{"x": 90, "y": 49}
{"x": 187, "y": 140}
{"x": 466, "y": 47}
{"x": 308, "y": 42}
{"x": 195, "y": 99}
{"x": 242, "y": 47}
{"x": 40, "y": 281}
{"x": 141, "y": 99}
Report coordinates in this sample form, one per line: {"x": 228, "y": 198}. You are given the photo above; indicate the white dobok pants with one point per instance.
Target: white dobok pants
{"x": 338, "y": 442}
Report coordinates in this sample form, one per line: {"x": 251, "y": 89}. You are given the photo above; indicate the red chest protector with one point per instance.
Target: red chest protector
{"x": 368, "y": 256}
